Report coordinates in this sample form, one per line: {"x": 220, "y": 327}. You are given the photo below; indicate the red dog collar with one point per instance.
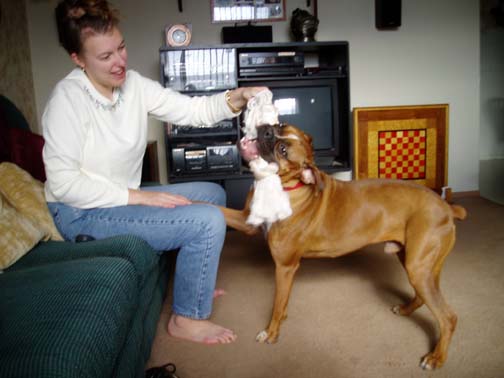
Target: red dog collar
{"x": 298, "y": 185}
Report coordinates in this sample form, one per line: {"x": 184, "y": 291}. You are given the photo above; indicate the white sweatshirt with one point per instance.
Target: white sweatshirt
{"x": 94, "y": 147}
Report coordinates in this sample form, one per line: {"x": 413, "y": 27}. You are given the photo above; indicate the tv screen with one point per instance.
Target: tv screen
{"x": 309, "y": 108}
{"x": 313, "y": 106}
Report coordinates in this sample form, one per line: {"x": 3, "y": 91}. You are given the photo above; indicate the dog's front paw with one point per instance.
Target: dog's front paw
{"x": 396, "y": 309}
{"x": 264, "y": 337}
{"x": 432, "y": 361}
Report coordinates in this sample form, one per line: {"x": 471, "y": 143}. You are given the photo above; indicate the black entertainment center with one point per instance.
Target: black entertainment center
{"x": 310, "y": 85}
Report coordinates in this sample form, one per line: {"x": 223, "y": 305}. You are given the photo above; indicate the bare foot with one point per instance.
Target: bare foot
{"x": 200, "y": 331}
{"x": 219, "y": 293}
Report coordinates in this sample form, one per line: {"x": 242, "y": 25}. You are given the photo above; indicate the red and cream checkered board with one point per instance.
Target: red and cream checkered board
{"x": 406, "y": 143}
{"x": 401, "y": 154}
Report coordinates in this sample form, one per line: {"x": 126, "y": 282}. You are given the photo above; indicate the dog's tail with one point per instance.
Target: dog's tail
{"x": 458, "y": 212}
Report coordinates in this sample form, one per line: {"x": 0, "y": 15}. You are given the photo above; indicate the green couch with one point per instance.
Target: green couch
{"x": 81, "y": 309}
{"x": 69, "y": 309}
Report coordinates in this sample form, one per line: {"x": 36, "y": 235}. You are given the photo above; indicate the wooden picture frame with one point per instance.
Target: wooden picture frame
{"x": 402, "y": 142}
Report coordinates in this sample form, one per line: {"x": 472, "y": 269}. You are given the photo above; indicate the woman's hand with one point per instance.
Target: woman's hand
{"x": 239, "y": 97}
{"x": 160, "y": 199}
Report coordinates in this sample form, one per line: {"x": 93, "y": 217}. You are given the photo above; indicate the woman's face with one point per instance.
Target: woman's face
{"x": 104, "y": 59}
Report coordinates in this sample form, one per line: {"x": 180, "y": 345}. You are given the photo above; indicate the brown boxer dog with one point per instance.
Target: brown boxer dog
{"x": 331, "y": 218}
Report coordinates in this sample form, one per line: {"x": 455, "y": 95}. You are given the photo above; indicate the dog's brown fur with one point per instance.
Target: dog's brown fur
{"x": 332, "y": 218}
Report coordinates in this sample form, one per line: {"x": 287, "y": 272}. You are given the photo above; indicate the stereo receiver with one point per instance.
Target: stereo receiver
{"x": 192, "y": 158}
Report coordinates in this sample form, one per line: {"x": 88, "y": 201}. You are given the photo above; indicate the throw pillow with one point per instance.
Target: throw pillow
{"x": 24, "y": 206}
{"x": 17, "y": 234}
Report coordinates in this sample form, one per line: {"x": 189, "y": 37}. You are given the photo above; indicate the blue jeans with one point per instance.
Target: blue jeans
{"x": 197, "y": 231}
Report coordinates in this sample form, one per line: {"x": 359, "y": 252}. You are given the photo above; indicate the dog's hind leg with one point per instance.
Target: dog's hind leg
{"x": 406, "y": 309}
{"x": 424, "y": 260}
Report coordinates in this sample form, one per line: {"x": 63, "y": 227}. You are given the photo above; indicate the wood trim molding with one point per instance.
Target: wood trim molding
{"x": 473, "y": 193}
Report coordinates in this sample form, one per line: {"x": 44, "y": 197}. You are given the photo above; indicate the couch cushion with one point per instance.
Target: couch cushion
{"x": 24, "y": 216}
{"x": 17, "y": 143}
{"x": 26, "y": 151}
{"x": 129, "y": 247}
{"x": 67, "y": 319}
{"x": 10, "y": 115}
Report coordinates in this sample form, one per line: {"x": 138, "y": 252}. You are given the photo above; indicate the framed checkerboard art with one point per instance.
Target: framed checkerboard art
{"x": 402, "y": 142}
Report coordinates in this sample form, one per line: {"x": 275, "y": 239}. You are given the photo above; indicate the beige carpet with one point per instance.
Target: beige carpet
{"x": 340, "y": 323}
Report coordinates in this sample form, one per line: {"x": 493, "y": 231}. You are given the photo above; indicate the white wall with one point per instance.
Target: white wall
{"x": 432, "y": 58}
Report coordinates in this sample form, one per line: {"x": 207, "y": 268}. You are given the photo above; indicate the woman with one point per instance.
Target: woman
{"x": 95, "y": 130}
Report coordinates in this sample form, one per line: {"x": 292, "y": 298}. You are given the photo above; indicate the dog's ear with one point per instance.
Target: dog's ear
{"x": 307, "y": 176}
{"x": 308, "y": 139}
{"x": 311, "y": 176}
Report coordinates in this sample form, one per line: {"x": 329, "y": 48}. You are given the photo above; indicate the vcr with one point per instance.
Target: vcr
{"x": 270, "y": 63}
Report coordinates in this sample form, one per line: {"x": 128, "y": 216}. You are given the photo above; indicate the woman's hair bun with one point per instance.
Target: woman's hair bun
{"x": 76, "y": 13}
{"x": 74, "y": 16}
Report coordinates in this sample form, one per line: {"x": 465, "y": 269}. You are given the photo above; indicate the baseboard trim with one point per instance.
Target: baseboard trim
{"x": 474, "y": 193}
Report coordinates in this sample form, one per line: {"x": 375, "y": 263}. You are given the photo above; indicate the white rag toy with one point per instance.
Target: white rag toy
{"x": 270, "y": 202}
{"x": 260, "y": 111}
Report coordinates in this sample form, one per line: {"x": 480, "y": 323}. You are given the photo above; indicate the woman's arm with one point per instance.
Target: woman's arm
{"x": 176, "y": 108}
{"x": 161, "y": 199}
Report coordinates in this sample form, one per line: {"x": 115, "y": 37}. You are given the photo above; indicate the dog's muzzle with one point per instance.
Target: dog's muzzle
{"x": 267, "y": 136}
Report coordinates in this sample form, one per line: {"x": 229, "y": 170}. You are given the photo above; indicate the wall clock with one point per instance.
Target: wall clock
{"x": 178, "y": 35}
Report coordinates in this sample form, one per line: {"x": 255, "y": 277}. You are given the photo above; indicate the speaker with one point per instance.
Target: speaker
{"x": 247, "y": 34}
{"x": 387, "y": 14}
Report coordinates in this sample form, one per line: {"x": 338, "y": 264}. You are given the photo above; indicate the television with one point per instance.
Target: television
{"x": 314, "y": 105}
